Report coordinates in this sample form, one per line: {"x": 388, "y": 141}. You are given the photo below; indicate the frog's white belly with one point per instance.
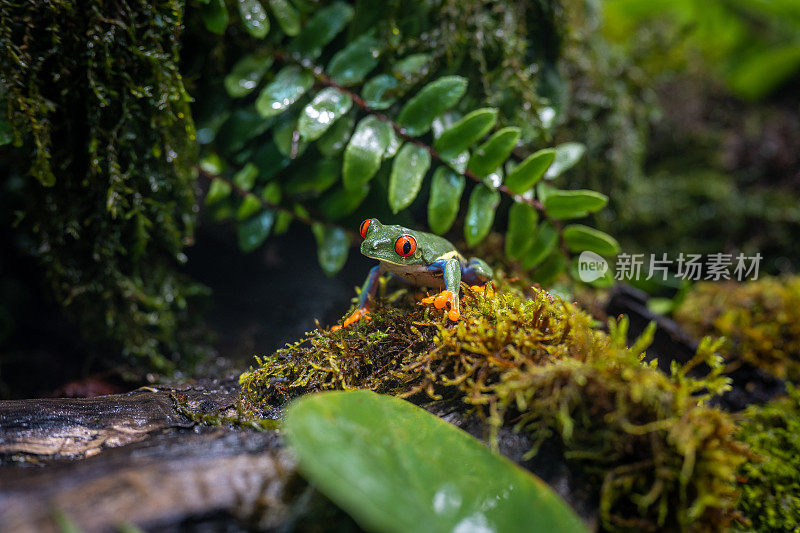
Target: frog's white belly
{"x": 417, "y": 274}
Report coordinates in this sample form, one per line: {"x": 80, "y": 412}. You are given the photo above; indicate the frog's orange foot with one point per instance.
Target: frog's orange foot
{"x": 479, "y": 289}
{"x": 358, "y": 314}
{"x": 440, "y": 301}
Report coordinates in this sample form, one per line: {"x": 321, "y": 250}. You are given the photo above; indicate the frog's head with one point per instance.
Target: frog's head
{"x": 393, "y": 244}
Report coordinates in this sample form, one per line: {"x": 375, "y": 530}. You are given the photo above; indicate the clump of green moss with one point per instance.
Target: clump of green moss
{"x": 659, "y": 455}
{"x": 771, "y": 488}
{"x": 102, "y": 127}
{"x": 759, "y": 319}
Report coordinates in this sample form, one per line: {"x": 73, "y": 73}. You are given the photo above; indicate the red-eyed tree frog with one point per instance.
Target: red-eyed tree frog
{"x": 421, "y": 259}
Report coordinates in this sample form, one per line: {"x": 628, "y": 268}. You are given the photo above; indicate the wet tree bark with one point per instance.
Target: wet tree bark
{"x": 105, "y": 462}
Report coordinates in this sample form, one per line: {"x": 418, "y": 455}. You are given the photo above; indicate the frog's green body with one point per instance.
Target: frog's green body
{"x": 422, "y": 259}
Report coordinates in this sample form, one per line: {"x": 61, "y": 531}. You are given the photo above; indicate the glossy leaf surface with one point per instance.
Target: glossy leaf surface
{"x": 328, "y": 106}
{"x": 445, "y": 199}
{"x": 567, "y": 156}
{"x": 465, "y": 132}
{"x": 522, "y": 219}
{"x": 579, "y": 238}
{"x": 333, "y": 244}
{"x": 483, "y": 203}
{"x": 321, "y": 28}
{"x": 530, "y": 171}
{"x": 351, "y": 64}
{"x": 395, "y": 467}
{"x": 364, "y": 152}
{"x": 246, "y": 74}
{"x": 573, "y": 204}
{"x": 286, "y": 15}
{"x": 431, "y": 101}
{"x": 287, "y": 87}
{"x": 408, "y": 170}
{"x": 254, "y": 18}
{"x": 491, "y": 154}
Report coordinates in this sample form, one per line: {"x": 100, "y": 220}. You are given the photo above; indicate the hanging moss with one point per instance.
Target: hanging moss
{"x": 759, "y": 319}
{"x": 660, "y": 457}
{"x": 771, "y": 487}
{"x": 101, "y": 125}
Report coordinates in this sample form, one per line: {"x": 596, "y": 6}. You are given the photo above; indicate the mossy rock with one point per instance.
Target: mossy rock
{"x": 658, "y": 456}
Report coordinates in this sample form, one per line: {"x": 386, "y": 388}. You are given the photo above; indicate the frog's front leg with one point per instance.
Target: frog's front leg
{"x": 368, "y": 291}
{"x": 451, "y": 270}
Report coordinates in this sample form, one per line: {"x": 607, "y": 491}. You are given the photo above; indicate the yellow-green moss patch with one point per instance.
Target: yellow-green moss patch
{"x": 660, "y": 457}
{"x": 759, "y": 319}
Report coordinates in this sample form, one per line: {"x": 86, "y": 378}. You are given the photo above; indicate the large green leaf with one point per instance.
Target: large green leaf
{"x": 567, "y": 155}
{"x": 491, "y": 154}
{"x": 321, "y": 29}
{"x": 250, "y": 206}
{"x": 242, "y": 125}
{"x": 522, "y": 219}
{"x": 465, "y": 132}
{"x": 246, "y": 74}
{"x": 333, "y": 244}
{"x": 564, "y": 205}
{"x": 246, "y": 177}
{"x": 289, "y": 85}
{"x": 287, "y": 141}
{"x": 580, "y": 238}
{"x": 254, "y": 231}
{"x": 254, "y": 17}
{"x": 445, "y": 198}
{"x": 526, "y": 174}
{"x": 328, "y": 106}
{"x": 483, "y": 203}
{"x": 432, "y": 100}
{"x": 217, "y": 191}
{"x": 286, "y": 15}
{"x": 322, "y": 175}
{"x": 341, "y": 202}
{"x": 544, "y": 243}
{"x": 335, "y": 139}
{"x": 408, "y": 170}
{"x": 351, "y": 64}
{"x": 375, "y": 91}
{"x": 394, "y": 467}
{"x": 215, "y": 16}
{"x": 364, "y": 152}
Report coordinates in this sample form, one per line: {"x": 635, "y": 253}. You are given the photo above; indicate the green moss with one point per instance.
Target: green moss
{"x": 102, "y": 127}
{"x": 759, "y": 319}
{"x": 771, "y": 489}
{"x": 659, "y": 456}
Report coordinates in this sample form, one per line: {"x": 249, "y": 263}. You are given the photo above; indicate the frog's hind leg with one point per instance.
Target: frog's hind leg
{"x": 476, "y": 273}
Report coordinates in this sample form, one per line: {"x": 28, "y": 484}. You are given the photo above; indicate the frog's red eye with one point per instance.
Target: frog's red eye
{"x": 405, "y": 245}
{"x": 362, "y": 229}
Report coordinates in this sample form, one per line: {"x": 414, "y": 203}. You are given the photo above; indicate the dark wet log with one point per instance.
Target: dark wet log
{"x": 132, "y": 458}
{"x": 750, "y": 384}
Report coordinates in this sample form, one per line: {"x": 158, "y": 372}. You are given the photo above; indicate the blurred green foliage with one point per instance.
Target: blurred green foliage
{"x": 101, "y": 123}
{"x": 760, "y": 320}
{"x": 753, "y": 45}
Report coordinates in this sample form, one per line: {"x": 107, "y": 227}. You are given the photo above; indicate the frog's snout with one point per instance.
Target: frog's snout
{"x": 368, "y": 248}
